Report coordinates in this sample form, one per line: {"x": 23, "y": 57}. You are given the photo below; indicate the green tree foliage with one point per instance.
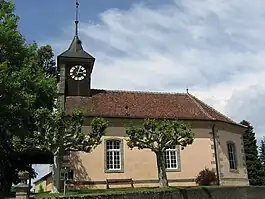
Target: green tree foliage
{"x": 25, "y": 86}
{"x": 159, "y": 135}
{"x": 10, "y": 38}
{"x": 61, "y": 133}
{"x": 262, "y": 152}
{"x": 255, "y": 170}
{"x": 45, "y": 58}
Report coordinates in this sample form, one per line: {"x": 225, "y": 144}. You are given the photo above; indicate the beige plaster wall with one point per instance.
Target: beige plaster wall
{"x": 46, "y": 184}
{"x": 230, "y": 176}
{"x": 49, "y": 184}
{"x": 140, "y": 165}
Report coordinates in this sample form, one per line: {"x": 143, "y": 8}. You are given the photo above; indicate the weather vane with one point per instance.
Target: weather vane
{"x": 76, "y": 18}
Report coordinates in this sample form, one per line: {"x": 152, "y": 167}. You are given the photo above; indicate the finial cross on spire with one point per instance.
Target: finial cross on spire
{"x": 76, "y": 17}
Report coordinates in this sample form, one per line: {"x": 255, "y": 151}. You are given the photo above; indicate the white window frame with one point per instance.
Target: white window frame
{"x": 231, "y": 148}
{"x": 112, "y": 150}
{"x": 171, "y": 160}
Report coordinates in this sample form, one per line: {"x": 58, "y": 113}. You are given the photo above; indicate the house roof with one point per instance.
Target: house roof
{"x": 109, "y": 103}
{"x": 43, "y": 177}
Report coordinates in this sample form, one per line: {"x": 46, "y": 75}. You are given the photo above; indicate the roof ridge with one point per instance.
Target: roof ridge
{"x": 138, "y": 91}
{"x": 213, "y": 109}
{"x": 200, "y": 107}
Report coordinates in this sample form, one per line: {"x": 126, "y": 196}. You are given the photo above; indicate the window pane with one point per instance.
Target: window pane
{"x": 71, "y": 175}
{"x": 173, "y": 154}
{"x": 171, "y": 158}
{"x": 109, "y": 145}
{"x": 113, "y": 154}
{"x": 109, "y": 160}
{"x": 116, "y": 144}
{"x": 167, "y": 163}
{"x": 231, "y": 155}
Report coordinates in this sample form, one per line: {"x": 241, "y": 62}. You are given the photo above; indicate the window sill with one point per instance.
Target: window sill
{"x": 114, "y": 171}
{"x": 234, "y": 170}
{"x": 172, "y": 170}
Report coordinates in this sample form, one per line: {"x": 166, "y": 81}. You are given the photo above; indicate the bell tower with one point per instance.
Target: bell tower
{"x": 75, "y": 66}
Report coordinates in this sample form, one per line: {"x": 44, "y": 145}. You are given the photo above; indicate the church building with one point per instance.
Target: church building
{"x": 218, "y": 142}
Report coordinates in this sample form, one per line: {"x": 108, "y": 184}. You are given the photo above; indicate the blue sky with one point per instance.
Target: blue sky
{"x": 213, "y": 47}
{"x": 44, "y": 19}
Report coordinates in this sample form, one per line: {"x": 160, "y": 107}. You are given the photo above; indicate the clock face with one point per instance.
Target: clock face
{"x": 78, "y": 72}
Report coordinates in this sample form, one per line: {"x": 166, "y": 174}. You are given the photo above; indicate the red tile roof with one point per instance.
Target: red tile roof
{"x": 108, "y": 103}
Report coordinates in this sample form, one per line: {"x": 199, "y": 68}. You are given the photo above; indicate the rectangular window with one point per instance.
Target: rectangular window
{"x": 67, "y": 173}
{"x": 113, "y": 152}
{"x": 171, "y": 158}
{"x": 232, "y": 155}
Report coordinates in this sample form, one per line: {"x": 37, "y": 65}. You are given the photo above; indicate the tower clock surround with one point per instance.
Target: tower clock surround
{"x": 78, "y": 78}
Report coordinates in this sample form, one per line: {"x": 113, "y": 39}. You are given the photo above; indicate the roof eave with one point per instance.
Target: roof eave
{"x": 169, "y": 118}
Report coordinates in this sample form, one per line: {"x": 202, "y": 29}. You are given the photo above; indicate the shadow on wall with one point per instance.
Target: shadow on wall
{"x": 81, "y": 178}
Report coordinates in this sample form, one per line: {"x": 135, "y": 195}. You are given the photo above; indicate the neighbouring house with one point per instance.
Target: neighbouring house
{"x": 218, "y": 143}
{"x": 44, "y": 184}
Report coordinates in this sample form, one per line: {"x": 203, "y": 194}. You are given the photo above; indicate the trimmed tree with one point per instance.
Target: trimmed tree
{"x": 255, "y": 170}
{"x": 159, "y": 135}
{"x": 61, "y": 133}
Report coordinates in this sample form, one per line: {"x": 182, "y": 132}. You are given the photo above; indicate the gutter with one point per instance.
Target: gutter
{"x": 167, "y": 118}
{"x": 216, "y": 156}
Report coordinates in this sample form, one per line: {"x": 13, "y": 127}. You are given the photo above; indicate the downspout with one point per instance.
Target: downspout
{"x": 215, "y": 155}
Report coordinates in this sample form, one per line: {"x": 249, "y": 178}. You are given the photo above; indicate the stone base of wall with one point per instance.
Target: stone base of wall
{"x": 136, "y": 183}
{"x": 234, "y": 182}
{"x": 153, "y": 183}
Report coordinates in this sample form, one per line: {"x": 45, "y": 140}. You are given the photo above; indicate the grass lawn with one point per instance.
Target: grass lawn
{"x": 102, "y": 191}
{"x": 112, "y": 191}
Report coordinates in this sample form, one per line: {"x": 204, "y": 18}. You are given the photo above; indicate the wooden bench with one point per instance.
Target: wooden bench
{"x": 119, "y": 181}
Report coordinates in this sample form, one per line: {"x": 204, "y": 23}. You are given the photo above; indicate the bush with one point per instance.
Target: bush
{"x": 206, "y": 177}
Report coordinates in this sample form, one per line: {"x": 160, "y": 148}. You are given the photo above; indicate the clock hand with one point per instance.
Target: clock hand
{"x": 78, "y": 69}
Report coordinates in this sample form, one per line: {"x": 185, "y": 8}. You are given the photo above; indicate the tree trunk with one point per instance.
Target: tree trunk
{"x": 56, "y": 174}
{"x": 161, "y": 167}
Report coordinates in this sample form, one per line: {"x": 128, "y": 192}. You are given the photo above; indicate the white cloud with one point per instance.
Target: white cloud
{"x": 214, "y": 47}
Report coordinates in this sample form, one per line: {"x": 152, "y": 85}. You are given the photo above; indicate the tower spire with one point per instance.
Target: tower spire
{"x": 76, "y": 17}
{"x": 75, "y": 49}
